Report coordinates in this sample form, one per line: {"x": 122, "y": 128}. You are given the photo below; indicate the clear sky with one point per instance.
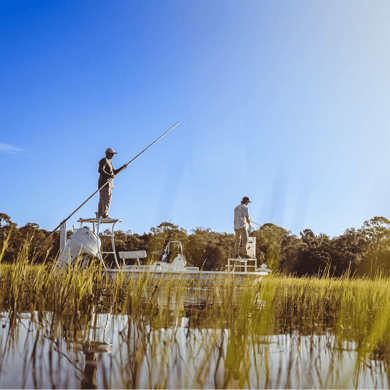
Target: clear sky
{"x": 286, "y": 102}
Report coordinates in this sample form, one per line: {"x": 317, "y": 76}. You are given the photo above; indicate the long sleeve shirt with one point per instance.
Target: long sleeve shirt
{"x": 107, "y": 172}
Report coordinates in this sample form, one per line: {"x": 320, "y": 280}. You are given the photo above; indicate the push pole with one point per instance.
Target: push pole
{"x": 122, "y": 169}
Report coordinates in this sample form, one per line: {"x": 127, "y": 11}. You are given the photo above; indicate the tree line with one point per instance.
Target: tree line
{"x": 357, "y": 252}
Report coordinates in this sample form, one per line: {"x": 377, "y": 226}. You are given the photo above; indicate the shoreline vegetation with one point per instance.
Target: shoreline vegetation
{"x": 237, "y": 326}
{"x": 333, "y": 315}
{"x": 357, "y": 252}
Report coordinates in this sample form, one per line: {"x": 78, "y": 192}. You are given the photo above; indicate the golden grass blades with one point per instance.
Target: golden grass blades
{"x": 222, "y": 333}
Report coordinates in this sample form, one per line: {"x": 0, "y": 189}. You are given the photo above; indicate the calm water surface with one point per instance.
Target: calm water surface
{"x": 108, "y": 350}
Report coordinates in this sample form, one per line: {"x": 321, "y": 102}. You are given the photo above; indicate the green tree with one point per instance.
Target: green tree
{"x": 289, "y": 253}
{"x": 314, "y": 254}
{"x": 269, "y": 238}
{"x": 377, "y": 233}
{"x": 349, "y": 251}
{"x": 208, "y": 250}
{"x": 161, "y": 235}
{"x": 9, "y": 236}
{"x": 125, "y": 241}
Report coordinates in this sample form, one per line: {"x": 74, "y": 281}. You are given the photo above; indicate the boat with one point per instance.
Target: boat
{"x": 85, "y": 242}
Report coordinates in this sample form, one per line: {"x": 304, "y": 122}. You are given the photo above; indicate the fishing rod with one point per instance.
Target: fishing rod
{"x": 121, "y": 169}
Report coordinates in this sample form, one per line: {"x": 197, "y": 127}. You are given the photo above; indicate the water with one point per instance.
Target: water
{"x": 172, "y": 348}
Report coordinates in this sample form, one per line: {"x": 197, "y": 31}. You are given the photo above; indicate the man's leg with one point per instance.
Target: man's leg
{"x": 104, "y": 202}
{"x": 244, "y": 240}
{"x": 237, "y": 241}
{"x": 109, "y": 195}
{"x": 100, "y": 204}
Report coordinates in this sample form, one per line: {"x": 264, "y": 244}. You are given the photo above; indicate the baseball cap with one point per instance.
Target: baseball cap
{"x": 111, "y": 150}
{"x": 245, "y": 199}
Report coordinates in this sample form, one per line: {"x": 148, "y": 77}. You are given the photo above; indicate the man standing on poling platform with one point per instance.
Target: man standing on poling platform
{"x": 107, "y": 172}
{"x": 241, "y": 217}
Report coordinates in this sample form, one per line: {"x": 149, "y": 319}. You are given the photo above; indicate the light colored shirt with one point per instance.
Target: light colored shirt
{"x": 240, "y": 214}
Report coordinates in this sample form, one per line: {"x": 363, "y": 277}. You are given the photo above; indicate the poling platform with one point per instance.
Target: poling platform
{"x": 87, "y": 241}
{"x": 96, "y": 222}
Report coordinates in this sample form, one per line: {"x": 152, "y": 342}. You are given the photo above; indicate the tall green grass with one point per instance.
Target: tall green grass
{"x": 241, "y": 317}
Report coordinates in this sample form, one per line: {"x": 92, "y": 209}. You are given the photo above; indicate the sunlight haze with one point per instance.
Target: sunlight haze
{"x": 284, "y": 102}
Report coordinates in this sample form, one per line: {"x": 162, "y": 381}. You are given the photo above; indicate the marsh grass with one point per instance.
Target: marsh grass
{"x": 230, "y": 325}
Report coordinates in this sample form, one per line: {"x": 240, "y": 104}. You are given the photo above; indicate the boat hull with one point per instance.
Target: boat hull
{"x": 181, "y": 275}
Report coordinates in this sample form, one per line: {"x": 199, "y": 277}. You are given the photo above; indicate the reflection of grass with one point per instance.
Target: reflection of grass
{"x": 240, "y": 319}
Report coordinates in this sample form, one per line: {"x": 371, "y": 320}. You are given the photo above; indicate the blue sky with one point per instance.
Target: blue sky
{"x": 284, "y": 102}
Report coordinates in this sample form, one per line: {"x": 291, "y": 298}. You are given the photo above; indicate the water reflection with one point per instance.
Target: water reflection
{"x": 178, "y": 343}
{"x": 89, "y": 374}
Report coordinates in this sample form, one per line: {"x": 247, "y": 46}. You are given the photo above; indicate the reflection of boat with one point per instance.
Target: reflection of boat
{"x": 172, "y": 264}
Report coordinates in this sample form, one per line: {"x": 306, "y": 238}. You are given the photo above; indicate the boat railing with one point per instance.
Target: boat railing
{"x": 242, "y": 265}
{"x": 172, "y": 248}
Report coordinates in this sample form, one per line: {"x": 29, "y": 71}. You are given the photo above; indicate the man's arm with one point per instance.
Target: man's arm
{"x": 116, "y": 171}
{"x": 248, "y": 221}
{"x": 103, "y": 170}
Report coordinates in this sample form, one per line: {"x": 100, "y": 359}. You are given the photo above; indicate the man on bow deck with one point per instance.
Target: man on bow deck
{"x": 107, "y": 174}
